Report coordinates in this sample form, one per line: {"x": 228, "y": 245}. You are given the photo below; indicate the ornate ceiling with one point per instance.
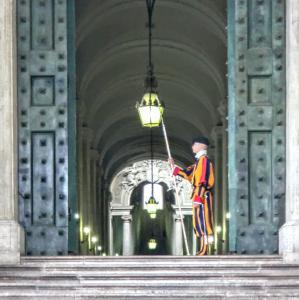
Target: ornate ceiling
{"x": 189, "y": 53}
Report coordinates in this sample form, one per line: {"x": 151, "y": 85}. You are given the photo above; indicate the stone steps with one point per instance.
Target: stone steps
{"x": 213, "y": 277}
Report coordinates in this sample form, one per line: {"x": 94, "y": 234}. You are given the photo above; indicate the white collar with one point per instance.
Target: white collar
{"x": 201, "y": 153}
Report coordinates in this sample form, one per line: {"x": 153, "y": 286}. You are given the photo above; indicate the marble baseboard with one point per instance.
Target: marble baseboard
{"x": 12, "y": 244}
{"x": 289, "y": 242}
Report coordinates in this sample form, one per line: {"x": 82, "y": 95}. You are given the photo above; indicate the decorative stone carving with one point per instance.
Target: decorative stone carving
{"x": 129, "y": 178}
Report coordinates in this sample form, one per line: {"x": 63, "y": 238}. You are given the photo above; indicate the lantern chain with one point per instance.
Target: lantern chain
{"x": 150, "y": 81}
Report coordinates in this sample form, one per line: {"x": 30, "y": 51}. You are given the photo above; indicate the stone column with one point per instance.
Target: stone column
{"x": 87, "y": 138}
{"x": 102, "y": 214}
{"x": 107, "y": 220}
{"x": 222, "y": 109}
{"x": 225, "y": 208}
{"x": 80, "y": 171}
{"x": 110, "y": 232}
{"x": 11, "y": 234}
{"x": 288, "y": 234}
{"x": 98, "y": 217}
{"x": 217, "y": 199}
{"x": 177, "y": 236}
{"x": 93, "y": 211}
{"x": 127, "y": 235}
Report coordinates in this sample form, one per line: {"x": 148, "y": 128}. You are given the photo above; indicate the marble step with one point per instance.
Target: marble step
{"x": 201, "y": 292}
{"x": 213, "y": 277}
{"x": 143, "y": 281}
{"x": 150, "y": 271}
{"x": 152, "y": 260}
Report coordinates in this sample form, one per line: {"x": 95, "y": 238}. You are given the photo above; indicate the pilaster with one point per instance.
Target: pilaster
{"x": 288, "y": 234}
{"x": 11, "y": 233}
{"x": 127, "y": 235}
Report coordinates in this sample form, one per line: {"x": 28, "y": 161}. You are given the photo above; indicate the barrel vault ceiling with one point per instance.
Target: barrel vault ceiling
{"x": 189, "y": 54}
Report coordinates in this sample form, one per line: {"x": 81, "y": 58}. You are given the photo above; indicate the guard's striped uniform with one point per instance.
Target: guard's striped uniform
{"x": 201, "y": 175}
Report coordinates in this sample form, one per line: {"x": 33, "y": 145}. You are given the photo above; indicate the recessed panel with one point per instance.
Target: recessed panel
{"x": 259, "y": 90}
{"x": 260, "y": 23}
{"x": 42, "y": 24}
{"x": 43, "y": 183}
{"x": 42, "y": 91}
{"x": 259, "y": 61}
{"x": 260, "y": 177}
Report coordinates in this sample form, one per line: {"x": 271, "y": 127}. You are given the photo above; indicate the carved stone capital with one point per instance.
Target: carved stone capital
{"x": 127, "y": 218}
{"x": 177, "y": 218}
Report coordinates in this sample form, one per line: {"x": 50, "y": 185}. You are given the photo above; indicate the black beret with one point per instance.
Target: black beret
{"x": 201, "y": 140}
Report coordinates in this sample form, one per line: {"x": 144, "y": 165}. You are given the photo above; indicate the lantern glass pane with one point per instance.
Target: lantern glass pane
{"x": 150, "y": 116}
{"x": 158, "y": 195}
{"x": 151, "y": 208}
{"x": 150, "y": 110}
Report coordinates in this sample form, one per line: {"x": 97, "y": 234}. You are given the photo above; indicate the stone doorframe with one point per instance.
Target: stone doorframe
{"x": 11, "y": 236}
{"x": 121, "y": 190}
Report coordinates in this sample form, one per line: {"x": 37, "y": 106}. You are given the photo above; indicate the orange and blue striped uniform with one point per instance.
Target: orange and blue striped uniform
{"x": 201, "y": 175}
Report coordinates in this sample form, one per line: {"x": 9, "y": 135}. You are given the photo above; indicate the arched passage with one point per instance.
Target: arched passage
{"x": 189, "y": 53}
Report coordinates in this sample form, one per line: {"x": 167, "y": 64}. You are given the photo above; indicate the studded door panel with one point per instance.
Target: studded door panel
{"x": 256, "y": 65}
{"x": 43, "y": 124}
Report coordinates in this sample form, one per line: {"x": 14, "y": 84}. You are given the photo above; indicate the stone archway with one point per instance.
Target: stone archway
{"x": 11, "y": 242}
{"x": 121, "y": 189}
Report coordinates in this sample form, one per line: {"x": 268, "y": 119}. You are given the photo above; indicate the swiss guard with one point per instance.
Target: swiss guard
{"x": 201, "y": 176}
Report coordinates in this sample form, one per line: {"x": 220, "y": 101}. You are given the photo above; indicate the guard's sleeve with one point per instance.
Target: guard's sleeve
{"x": 185, "y": 173}
{"x": 204, "y": 175}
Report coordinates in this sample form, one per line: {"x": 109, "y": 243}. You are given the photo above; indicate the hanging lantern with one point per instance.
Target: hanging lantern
{"x": 151, "y": 207}
{"x": 150, "y": 110}
{"x": 152, "y": 244}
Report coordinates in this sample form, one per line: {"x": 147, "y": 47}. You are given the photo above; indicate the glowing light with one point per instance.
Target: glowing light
{"x": 150, "y": 110}
{"x": 153, "y": 216}
{"x": 104, "y": 254}
{"x": 210, "y": 239}
{"x": 86, "y": 230}
{"x": 227, "y": 215}
{"x": 99, "y": 248}
{"x": 152, "y": 244}
{"x": 151, "y": 206}
{"x": 218, "y": 229}
{"x": 76, "y": 216}
{"x": 94, "y": 239}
